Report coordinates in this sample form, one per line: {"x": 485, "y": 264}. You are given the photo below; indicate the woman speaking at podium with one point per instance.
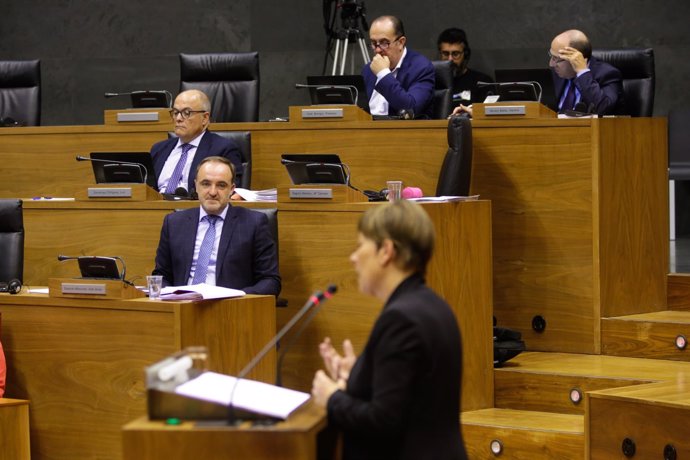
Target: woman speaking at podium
{"x": 400, "y": 399}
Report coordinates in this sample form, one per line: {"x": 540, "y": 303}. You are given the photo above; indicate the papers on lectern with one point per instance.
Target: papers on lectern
{"x": 249, "y": 395}
{"x": 199, "y": 292}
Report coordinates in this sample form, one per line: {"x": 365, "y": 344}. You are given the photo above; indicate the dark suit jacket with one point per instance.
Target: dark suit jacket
{"x": 413, "y": 88}
{"x": 211, "y": 144}
{"x": 403, "y": 395}
{"x": 247, "y": 257}
{"x": 600, "y": 88}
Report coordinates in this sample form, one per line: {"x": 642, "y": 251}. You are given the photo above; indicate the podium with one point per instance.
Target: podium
{"x": 295, "y": 438}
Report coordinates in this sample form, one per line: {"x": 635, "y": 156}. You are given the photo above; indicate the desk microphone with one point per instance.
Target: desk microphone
{"x": 142, "y": 168}
{"x": 314, "y": 303}
{"x": 354, "y": 92}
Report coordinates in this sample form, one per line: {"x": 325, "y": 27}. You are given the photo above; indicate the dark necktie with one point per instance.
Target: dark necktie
{"x": 205, "y": 250}
{"x": 177, "y": 172}
{"x": 569, "y": 101}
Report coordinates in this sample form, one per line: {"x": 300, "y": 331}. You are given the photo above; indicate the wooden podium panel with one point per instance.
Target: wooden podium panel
{"x": 81, "y": 362}
{"x": 293, "y": 439}
{"x": 580, "y": 223}
{"x": 14, "y": 429}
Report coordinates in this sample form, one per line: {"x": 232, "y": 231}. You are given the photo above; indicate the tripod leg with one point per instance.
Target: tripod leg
{"x": 364, "y": 50}
{"x": 336, "y": 54}
{"x": 344, "y": 59}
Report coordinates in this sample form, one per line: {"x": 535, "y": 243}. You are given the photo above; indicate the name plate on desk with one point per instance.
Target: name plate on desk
{"x": 85, "y": 288}
{"x": 109, "y": 192}
{"x": 317, "y": 193}
{"x": 137, "y": 116}
{"x": 322, "y": 113}
{"x": 490, "y": 110}
{"x": 78, "y": 288}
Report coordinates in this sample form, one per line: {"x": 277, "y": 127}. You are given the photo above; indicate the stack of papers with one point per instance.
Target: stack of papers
{"x": 249, "y": 395}
{"x": 270, "y": 194}
{"x": 199, "y": 292}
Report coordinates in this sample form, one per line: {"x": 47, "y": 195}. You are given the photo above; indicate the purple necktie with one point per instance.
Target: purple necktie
{"x": 569, "y": 101}
{"x": 177, "y": 173}
{"x": 205, "y": 250}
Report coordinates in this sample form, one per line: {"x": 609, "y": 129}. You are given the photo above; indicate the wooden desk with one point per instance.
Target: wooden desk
{"x": 14, "y": 429}
{"x": 315, "y": 243}
{"x": 294, "y": 439}
{"x": 81, "y": 362}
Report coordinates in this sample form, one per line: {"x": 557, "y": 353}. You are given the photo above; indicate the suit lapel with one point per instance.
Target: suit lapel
{"x": 202, "y": 151}
{"x": 160, "y": 159}
{"x": 229, "y": 225}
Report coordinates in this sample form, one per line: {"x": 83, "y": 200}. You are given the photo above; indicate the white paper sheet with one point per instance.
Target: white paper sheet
{"x": 206, "y": 290}
{"x": 250, "y": 395}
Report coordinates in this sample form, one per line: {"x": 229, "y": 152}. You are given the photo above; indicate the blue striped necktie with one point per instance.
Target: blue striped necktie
{"x": 205, "y": 250}
{"x": 569, "y": 101}
{"x": 177, "y": 172}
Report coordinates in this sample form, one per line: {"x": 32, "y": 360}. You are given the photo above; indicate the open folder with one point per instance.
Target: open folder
{"x": 248, "y": 395}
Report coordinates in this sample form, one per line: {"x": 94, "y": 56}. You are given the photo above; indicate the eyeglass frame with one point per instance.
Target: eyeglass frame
{"x": 555, "y": 59}
{"x": 384, "y": 45}
{"x": 454, "y": 54}
{"x": 186, "y": 113}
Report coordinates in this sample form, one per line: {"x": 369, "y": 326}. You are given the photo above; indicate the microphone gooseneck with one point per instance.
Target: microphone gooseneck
{"x": 314, "y": 300}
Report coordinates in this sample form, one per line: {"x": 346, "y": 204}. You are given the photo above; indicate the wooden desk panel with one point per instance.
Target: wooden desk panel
{"x": 315, "y": 243}
{"x": 81, "y": 362}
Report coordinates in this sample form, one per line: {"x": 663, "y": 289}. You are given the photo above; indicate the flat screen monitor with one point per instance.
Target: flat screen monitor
{"x": 98, "y": 267}
{"x": 123, "y": 167}
{"x": 338, "y": 89}
{"x": 543, "y": 77}
{"x": 315, "y": 168}
{"x": 150, "y": 99}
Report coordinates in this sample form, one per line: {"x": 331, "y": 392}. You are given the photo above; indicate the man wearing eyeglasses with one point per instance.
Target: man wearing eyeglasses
{"x": 453, "y": 46}
{"x": 173, "y": 159}
{"x": 397, "y": 78}
{"x": 580, "y": 79}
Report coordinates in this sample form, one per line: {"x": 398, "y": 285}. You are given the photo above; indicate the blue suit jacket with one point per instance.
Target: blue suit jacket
{"x": 211, "y": 144}
{"x": 247, "y": 257}
{"x": 601, "y": 88}
{"x": 413, "y": 88}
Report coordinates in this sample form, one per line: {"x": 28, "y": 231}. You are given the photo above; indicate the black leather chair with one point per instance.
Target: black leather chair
{"x": 637, "y": 67}
{"x": 678, "y": 166}
{"x": 443, "y": 92}
{"x": 243, "y": 139}
{"x": 11, "y": 240}
{"x": 456, "y": 170}
{"x": 230, "y": 80}
{"x": 272, "y": 214}
{"x": 20, "y": 92}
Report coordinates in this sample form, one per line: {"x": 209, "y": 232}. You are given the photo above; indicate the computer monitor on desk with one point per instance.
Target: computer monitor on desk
{"x": 123, "y": 167}
{"x": 338, "y": 89}
{"x": 543, "y": 77}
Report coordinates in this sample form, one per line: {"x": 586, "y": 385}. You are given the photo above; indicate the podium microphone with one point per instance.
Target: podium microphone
{"x": 314, "y": 303}
{"x": 142, "y": 168}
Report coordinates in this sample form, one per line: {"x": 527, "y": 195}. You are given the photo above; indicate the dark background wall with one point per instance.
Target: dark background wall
{"x": 90, "y": 47}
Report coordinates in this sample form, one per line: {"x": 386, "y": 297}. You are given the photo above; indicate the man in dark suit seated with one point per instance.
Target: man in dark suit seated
{"x": 217, "y": 243}
{"x": 582, "y": 80}
{"x": 453, "y": 46}
{"x": 397, "y": 78}
{"x": 175, "y": 160}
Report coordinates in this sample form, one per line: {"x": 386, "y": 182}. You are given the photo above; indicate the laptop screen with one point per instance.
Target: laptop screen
{"x": 542, "y": 76}
{"x": 315, "y": 168}
{"x": 123, "y": 167}
{"x": 342, "y": 81}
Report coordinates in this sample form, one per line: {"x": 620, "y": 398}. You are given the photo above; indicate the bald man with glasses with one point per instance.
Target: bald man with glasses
{"x": 175, "y": 158}
{"x": 397, "y": 78}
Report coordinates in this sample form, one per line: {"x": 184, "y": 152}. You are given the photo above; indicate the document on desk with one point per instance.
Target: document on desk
{"x": 250, "y": 395}
{"x": 269, "y": 195}
{"x": 201, "y": 291}
{"x": 444, "y": 199}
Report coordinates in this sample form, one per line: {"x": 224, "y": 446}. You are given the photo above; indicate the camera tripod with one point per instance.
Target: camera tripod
{"x": 352, "y": 14}
{"x": 347, "y": 37}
